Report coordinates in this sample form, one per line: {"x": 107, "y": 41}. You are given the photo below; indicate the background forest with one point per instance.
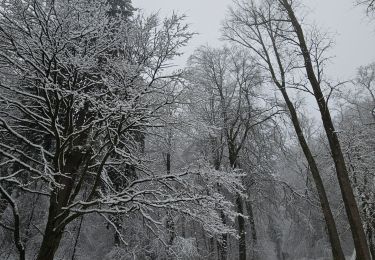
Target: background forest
{"x": 250, "y": 151}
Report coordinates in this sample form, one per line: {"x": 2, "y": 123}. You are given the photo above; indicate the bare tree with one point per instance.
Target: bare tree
{"x": 369, "y": 4}
{"x": 356, "y": 122}
{"x": 79, "y": 87}
{"x": 366, "y": 81}
{"x": 351, "y": 207}
{"x": 230, "y": 82}
{"x": 266, "y": 31}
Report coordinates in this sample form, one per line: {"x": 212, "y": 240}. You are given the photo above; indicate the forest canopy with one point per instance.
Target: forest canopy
{"x": 110, "y": 151}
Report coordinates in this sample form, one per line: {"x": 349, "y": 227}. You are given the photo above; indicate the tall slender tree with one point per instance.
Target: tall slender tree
{"x": 264, "y": 31}
{"x": 350, "y": 203}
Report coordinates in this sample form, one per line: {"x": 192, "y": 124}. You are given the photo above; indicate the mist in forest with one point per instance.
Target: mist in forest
{"x": 187, "y": 130}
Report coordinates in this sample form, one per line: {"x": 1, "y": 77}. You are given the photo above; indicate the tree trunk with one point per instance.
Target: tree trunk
{"x": 233, "y": 156}
{"x": 51, "y": 238}
{"x": 333, "y": 235}
{"x": 222, "y": 245}
{"x": 171, "y": 235}
{"x": 371, "y": 242}
{"x": 60, "y": 198}
{"x": 250, "y": 213}
{"x": 168, "y": 162}
{"x": 77, "y": 238}
{"x": 351, "y": 207}
{"x": 50, "y": 244}
{"x": 54, "y": 231}
{"x": 117, "y": 223}
{"x": 241, "y": 229}
{"x": 17, "y": 223}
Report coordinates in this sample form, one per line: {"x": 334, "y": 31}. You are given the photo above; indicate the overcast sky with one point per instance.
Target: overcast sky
{"x": 354, "y": 34}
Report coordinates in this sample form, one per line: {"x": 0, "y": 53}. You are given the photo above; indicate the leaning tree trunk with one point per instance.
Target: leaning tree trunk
{"x": 77, "y": 238}
{"x": 351, "y": 207}
{"x": 334, "y": 239}
{"x": 333, "y": 235}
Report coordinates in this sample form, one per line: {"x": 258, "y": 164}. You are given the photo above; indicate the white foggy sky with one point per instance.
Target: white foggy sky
{"x": 354, "y": 34}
